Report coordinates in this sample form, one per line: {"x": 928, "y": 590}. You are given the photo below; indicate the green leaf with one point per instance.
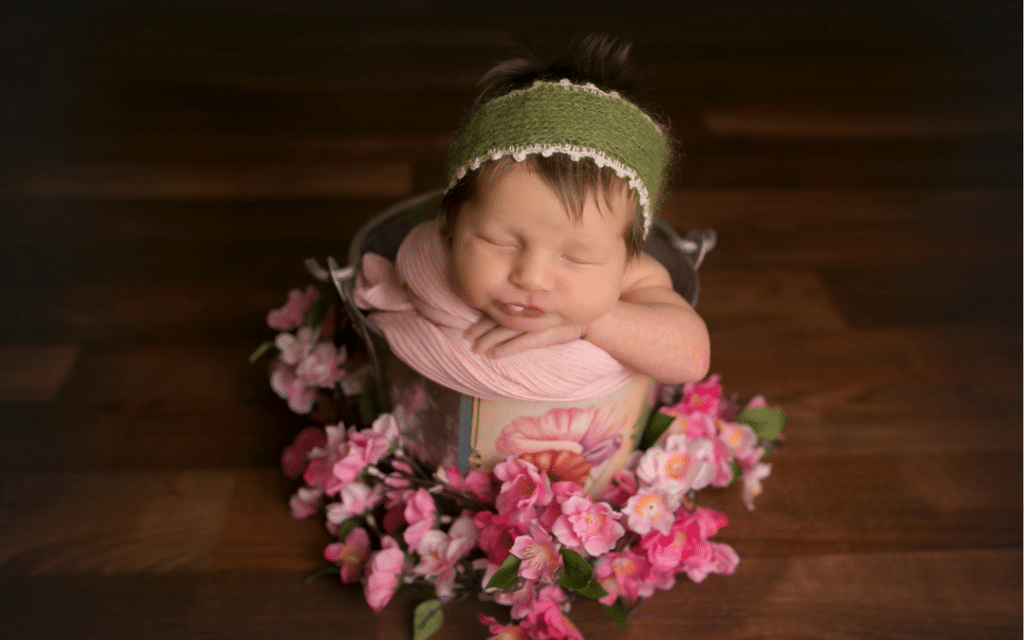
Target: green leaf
{"x": 736, "y": 471}
{"x": 766, "y": 422}
{"x": 319, "y": 573}
{"x": 314, "y": 316}
{"x": 617, "y": 613}
{"x": 506, "y": 573}
{"x": 427, "y": 618}
{"x": 260, "y": 350}
{"x": 593, "y": 590}
{"x": 657, "y": 425}
{"x": 576, "y": 572}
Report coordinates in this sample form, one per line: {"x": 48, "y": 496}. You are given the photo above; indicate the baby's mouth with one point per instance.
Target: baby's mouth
{"x": 519, "y": 310}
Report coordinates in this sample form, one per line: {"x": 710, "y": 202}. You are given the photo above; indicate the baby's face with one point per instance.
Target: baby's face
{"x": 518, "y": 257}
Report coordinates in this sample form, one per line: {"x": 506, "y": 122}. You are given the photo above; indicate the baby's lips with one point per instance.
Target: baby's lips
{"x": 514, "y": 309}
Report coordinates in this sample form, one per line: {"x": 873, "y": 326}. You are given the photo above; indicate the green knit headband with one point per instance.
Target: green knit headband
{"x": 580, "y": 121}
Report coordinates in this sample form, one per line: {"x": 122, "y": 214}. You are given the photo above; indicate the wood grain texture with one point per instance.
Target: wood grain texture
{"x": 165, "y": 168}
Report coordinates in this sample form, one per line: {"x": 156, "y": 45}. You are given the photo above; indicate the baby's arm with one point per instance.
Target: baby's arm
{"x": 651, "y": 329}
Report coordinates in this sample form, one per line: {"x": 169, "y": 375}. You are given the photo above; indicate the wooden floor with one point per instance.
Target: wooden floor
{"x": 167, "y": 168}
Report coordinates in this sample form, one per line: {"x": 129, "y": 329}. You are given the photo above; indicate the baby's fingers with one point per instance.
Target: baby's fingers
{"x": 496, "y": 336}
{"x": 535, "y": 340}
{"x": 479, "y": 328}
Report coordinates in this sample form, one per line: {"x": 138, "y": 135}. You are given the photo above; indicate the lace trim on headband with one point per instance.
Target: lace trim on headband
{"x": 547, "y": 150}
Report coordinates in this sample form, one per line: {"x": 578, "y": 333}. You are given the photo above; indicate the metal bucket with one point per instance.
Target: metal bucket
{"x": 583, "y": 441}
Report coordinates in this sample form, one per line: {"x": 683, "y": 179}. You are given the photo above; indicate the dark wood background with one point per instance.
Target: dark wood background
{"x": 167, "y": 167}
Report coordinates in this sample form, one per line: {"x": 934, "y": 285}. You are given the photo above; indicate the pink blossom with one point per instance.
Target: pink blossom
{"x": 439, "y": 552}
{"x": 287, "y": 385}
{"x": 351, "y": 554}
{"x": 540, "y": 558}
{"x": 595, "y": 433}
{"x": 650, "y": 509}
{"x": 291, "y": 314}
{"x": 588, "y": 526}
{"x": 295, "y": 458}
{"x": 562, "y": 491}
{"x": 421, "y": 514}
{"x": 752, "y": 483}
{"x": 702, "y": 397}
{"x": 361, "y": 449}
{"x": 295, "y": 347}
{"x": 497, "y": 533}
{"x": 321, "y": 367}
{"x": 721, "y": 558}
{"x": 621, "y": 574}
{"x": 478, "y": 484}
{"x": 357, "y": 499}
{"x": 383, "y": 573}
{"x": 500, "y": 631}
{"x": 622, "y": 488}
{"x": 306, "y": 502}
{"x": 682, "y": 464}
{"x": 547, "y": 621}
{"x": 740, "y": 438}
{"x": 522, "y": 487}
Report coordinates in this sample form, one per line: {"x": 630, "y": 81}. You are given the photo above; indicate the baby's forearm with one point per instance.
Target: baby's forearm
{"x": 654, "y": 335}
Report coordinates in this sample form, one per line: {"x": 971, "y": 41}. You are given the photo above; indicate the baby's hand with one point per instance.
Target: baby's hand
{"x": 497, "y": 341}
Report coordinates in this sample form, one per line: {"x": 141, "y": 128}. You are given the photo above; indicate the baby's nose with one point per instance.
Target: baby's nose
{"x": 532, "y": 273}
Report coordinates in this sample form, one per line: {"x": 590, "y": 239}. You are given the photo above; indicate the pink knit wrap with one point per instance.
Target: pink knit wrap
{"x": 423, "y": 320}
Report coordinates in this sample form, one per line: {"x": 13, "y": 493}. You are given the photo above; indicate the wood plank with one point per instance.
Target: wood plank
{"x": 944, "y": 595}
{"x": 106, "y": 523}
{"x": 237, "y": 181}
{"x": 34, "y": 373}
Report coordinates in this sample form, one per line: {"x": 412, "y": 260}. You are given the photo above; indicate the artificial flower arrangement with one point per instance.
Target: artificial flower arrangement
{"x": 515, "y": 535}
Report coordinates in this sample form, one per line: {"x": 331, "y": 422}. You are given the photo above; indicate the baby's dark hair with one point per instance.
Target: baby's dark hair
{"x": 598, "y": 60}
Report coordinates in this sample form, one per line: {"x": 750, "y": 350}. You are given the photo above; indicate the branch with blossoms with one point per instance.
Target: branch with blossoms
{"x": 514, "y": 535}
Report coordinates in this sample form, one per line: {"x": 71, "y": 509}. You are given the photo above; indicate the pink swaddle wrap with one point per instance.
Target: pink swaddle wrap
{"x": 423, "y": 320}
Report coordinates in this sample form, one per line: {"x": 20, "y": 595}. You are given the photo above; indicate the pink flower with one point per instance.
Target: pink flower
{"x": 752, "y": 482}
{"x": 295, "y": 347}
{"x": 721, "y": 558}
{"x": 621, "y": 574}
{"x": 650, "y": 509}
{"x": 291, "y": 314}
{"x": 522, "y": 487}
{"x": 593, "y": 432}
{"x": 306, "y": 502}
{"x": 478, "y": 484}
{"x": 740, "y": 438}
{"x": 540, "y": 558}
{"x": 421, "y": 514}
{"x": 562, "y": 491}
{"x": 500, "y": 631}
{"x": 547, "y": 620}
{"x": 497, "y": 533}
{"x": 622, "y": 488}
{"x": 290, "y": 387}
{"x": 295, "y": 458}
{"x": 587, "y": 526}
{"x": 439, "y": 552}
{"x": 351, "y": 554}
{"x": 682, "y": 464}
{"x": 383, "y": 573}
{"x": 357, "y": 499}
{"x": 701, "y": 397}
{"x": 361, "y": 449}
{"x": 321, "y": 367}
